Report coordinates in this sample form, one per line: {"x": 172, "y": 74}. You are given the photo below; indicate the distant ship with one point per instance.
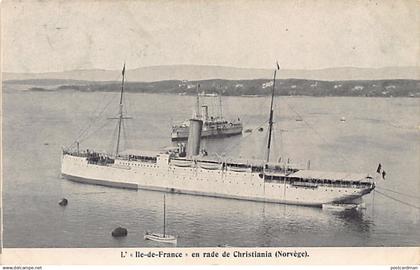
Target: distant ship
{"x": 213, "y": 126}
{"x": 189, "y": 171}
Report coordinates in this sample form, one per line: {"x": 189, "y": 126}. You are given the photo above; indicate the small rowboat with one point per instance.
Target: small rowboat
{"x": 339, "y": 206}
{"x": 159, "y": 237}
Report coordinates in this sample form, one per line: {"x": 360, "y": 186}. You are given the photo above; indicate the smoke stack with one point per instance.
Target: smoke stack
{"x": 194, "y": 137}
{"x": 204, "y": 112}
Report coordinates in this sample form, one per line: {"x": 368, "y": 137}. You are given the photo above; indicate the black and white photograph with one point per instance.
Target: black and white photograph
{"x": 210, "y": 124}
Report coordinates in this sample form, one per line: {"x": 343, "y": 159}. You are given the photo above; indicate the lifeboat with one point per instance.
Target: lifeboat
{"x": 209, "y": 166}
{"x": 238, "y": 169}
{"x": 182, "y": 163}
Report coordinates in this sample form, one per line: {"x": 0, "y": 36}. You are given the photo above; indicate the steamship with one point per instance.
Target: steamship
{"x": 188, "y": 170}
{"x": 213, "y": 126}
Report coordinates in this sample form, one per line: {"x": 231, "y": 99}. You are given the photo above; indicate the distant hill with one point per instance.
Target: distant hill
{"x": 259, "y": 87}
{"x": 203, "y": 72}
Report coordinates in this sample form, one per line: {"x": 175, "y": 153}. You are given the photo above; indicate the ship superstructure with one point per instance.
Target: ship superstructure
{"x": 188, "y": 171}
{"x": 213, "y": 125}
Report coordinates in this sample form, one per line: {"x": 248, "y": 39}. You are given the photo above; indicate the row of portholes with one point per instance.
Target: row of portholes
{"x": 228, "y": 173}
{"x": 230, "y": 182}
{"x": 340, "y": 190}
{"x": 325, "y": 190}
{"x": 137, "y": 165}
{"x": 199, "y": 179}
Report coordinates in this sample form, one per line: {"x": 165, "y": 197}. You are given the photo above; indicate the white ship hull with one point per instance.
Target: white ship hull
{"x": 163, "y": 176}
{"x": 182, "y": 132}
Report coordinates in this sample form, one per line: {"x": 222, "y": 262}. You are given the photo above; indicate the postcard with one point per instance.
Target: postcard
{"x": 210, "y": 132}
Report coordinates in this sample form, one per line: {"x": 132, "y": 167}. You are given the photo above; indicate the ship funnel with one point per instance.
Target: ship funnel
{"x": 204, "y": 112}
{"x": 194, "y": 137}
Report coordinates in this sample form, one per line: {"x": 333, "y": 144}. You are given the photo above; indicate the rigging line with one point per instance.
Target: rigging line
{"x": 390, "y": 190}
{"x": 96, "y": 130}
{"x": 314, "y": 130}
{"x": 260, "y": 125}
{"x": 97, "y": 109}
{"x": 125, "y": 98}
{"x": 94, "y": 119}
{"x": 211, "y": 106}
{"x": 260, "y": 104}
{"x": 400, "y": 201}
{"x": 276, "y": 154}
{"x": 99, "y": 104}
{"x": 113, "y": 139}
{"x": 100, "y": 113}
{"x": 84, "y": 138}
{"x": 125, "y": 135}
{"x": 278, "y": 151}
{"x": 214, "y": 107}
{"x": 274, "y": 151}
{"x": 130, "y": 130}
{"x": 83, "y": 135}
{"x": 127, "y": 106}
{"x": 227, "y": 149}
{"x": 281, "y": 147}
{"x": 123, "y": 144}
{"x": 220, "y": 103}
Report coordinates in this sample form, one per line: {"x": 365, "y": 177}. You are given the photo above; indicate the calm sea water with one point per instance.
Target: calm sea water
{"x": 36, "y": 125}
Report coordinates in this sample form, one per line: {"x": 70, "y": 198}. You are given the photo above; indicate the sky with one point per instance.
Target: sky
{"x": 47, "y": 36}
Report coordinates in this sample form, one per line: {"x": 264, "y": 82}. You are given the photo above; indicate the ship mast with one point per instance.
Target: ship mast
{"x": 120, "y": 119}
{"x": 197, "y": 105}
{"x": 270, "y": 120}
{"x": 220, "y": 103}
{"x": 164, "y": 215}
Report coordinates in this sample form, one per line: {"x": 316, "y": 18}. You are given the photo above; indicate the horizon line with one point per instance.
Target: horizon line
{"x": 209, "y": 65}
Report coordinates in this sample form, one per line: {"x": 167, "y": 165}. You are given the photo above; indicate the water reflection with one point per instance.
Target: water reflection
{"x": 355, "y": 220}
{"x": 206, "y": 221}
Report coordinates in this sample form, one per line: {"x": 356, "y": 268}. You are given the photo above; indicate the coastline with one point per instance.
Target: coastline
{"x": 245, "y": 88}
